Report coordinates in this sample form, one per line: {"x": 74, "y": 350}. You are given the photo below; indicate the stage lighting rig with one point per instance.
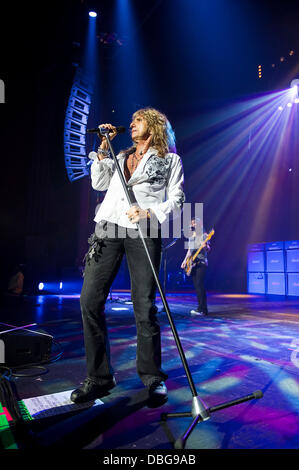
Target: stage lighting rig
{"x": 294, "y": 85}
{"x": 110, "y": 39}
{"x": 283, "y": 61}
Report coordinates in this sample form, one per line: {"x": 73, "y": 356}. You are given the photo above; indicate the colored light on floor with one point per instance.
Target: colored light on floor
{"x": 259, "y": 345}
{"x": 221, "y": 384}
{"x": 291, "y": 387}
{"x": 236, "y": 296}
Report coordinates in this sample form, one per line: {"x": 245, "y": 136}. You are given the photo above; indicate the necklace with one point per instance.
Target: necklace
{"x": 132, "y": 163}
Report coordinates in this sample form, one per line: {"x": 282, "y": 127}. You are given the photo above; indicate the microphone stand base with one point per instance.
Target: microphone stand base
{"x": 201, "y": 413}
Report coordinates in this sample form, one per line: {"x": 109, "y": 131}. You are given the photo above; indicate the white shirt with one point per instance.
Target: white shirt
{"x": 157, "y": 184}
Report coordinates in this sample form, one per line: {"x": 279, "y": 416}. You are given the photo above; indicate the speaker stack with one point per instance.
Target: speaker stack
{"x": 273, "y": 268}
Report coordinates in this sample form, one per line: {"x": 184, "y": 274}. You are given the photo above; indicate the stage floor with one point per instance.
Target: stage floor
{"x": 246, "y": 343}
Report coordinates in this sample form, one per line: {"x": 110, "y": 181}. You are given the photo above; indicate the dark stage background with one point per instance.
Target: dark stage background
{"x": 187, "y": 58}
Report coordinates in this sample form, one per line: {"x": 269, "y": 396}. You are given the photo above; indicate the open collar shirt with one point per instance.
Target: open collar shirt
{"x": 157, "y": 184}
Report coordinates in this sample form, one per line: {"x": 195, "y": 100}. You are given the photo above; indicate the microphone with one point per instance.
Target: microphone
{"x": 102, "y": 130}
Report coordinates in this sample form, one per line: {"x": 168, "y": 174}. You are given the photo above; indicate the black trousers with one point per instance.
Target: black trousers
{"x": 198, "y": 277}
{"x": 102, "y": 263}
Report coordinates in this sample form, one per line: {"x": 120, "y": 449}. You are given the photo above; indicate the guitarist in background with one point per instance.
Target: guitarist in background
{"x": 200, "y": 265}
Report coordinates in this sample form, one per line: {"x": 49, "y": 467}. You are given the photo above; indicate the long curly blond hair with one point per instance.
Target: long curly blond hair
{"x": 163, "y": 137}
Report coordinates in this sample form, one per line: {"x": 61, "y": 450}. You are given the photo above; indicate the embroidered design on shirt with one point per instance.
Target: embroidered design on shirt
{"x": 157, "y": 169}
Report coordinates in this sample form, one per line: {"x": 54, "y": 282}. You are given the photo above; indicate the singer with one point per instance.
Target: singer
{"x": 154, "y": 173}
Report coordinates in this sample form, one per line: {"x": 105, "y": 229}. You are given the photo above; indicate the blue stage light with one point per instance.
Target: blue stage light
{"x": 41, "y": 286}
{"x": 294, "y": 85}
{"x": 295, "y": 90}
{"x": 93, "y": 14}
{"x": 60, "y": 285}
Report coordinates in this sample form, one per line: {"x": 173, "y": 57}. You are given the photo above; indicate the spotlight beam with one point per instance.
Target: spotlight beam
{"x": 244, "y": 151}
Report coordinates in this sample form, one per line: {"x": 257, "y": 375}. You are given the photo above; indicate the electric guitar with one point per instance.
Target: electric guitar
{"x": 190, "y": 262}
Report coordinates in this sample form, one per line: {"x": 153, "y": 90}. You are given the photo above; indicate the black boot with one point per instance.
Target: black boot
{"x": 90, "y": 390}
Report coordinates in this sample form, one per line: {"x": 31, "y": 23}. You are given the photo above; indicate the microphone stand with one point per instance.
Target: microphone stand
{"x": 199, "y": 411}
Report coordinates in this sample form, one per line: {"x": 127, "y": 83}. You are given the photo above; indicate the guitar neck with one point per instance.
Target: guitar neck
{"x": 197, "y": 252}
{"x": 203, "y": 244}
